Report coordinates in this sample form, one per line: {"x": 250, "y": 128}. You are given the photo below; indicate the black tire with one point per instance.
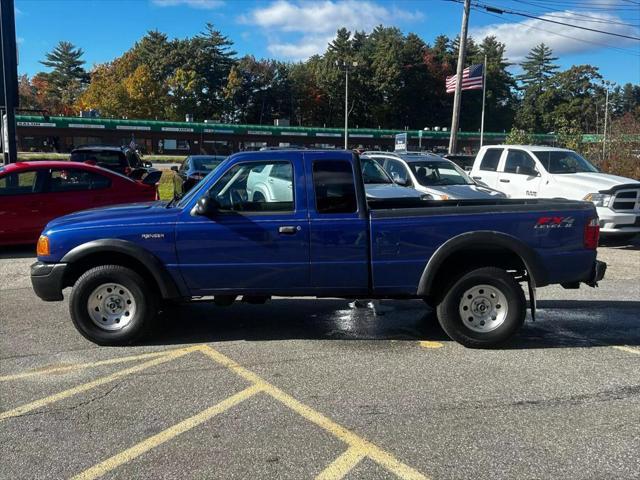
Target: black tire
{"x": 453, "y": 324}
{"x": 138, "y": 324}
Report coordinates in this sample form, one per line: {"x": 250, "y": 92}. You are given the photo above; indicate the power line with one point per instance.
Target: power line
{"x": 621, "y": 50}
{"x": 501, "y": 11}
{"x": 554, "y": 13}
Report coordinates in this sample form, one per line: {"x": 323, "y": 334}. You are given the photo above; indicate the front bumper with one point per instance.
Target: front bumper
{"x": 47, "y": 280}
{"x": 616, "y": 222}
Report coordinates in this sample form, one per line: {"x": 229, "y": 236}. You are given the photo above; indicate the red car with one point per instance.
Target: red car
{"x": 33, "y": 193}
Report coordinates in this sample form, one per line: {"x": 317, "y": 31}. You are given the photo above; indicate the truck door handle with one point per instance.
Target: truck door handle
{"x": 477, "y": 178}
{"x": 288, "y": 230}
{"x": 504, "y": 180}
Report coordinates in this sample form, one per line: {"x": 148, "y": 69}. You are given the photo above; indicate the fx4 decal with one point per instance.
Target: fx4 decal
{"x": 555, "y": 222}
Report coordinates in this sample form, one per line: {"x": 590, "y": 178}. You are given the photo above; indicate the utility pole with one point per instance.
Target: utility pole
{"x": 9, "y": 80}
{"x": 346, "y": 66}
{"x": 453, "y": 140}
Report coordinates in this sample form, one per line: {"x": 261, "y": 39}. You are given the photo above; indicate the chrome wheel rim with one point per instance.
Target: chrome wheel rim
{"x": 111, "y": 306}
{"x": 483, "y": 308}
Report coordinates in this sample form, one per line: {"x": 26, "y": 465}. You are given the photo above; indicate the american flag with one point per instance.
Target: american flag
{"x": 471, "y": 79}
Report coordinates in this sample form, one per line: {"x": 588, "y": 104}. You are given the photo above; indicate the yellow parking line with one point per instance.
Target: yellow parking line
{"x": 431, "y": 344}
{"x": 627, "y": 349}
{"x": 342, "y": 465}
{"x": 370, "y": 450}
{"x": 79, "y": 366}
{"x": 93, "y": 384}
{"x": 166, "y": 435}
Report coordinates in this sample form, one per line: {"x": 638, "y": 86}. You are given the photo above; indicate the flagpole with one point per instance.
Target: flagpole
{"x": 484, "y": 96}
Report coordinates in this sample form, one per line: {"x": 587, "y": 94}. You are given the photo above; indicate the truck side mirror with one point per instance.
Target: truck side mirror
{"x": 205, "y": 207}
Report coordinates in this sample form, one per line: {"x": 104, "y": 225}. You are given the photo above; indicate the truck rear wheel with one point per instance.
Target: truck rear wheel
{"x": 112, "y": 305}
{"x": 484, "y": 308}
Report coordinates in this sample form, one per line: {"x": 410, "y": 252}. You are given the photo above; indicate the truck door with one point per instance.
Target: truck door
{"x": 519, "y": 177}
{"x": 339, "y": 240}
{"x": 487, "y": 171}
{"x": 248, "y": 245}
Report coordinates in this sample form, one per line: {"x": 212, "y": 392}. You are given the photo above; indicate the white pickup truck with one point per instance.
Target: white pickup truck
{"x": 527, "y": 171}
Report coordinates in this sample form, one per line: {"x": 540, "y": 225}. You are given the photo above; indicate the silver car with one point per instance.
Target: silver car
{"x": 433, "y": 175}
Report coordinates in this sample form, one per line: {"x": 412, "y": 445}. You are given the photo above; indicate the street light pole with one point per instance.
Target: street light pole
{"x": 346, "y": 107}
{"x": 606, "y": 114}
{"x": 346, "y": 99}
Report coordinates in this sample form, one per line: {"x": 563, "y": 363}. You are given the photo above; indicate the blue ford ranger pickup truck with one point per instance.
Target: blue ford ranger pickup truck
{"x": 313, "y": 234}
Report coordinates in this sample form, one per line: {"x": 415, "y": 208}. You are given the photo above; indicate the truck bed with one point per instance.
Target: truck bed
{"x": 404, "y": 236}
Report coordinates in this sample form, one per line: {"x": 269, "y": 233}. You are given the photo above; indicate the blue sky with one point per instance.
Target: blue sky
{"x": 295, "y": 29}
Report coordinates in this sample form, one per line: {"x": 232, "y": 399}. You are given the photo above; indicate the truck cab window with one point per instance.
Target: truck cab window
{"x": 255, "y": 187}
{"x": 334, "y": 187}
{"x": 491, "y": 159}
{"x": 519, "y": 162}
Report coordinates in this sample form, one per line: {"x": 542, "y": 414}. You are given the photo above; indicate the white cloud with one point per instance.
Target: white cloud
{"x": 203, "y": 4}
{"x": 304, "y": 48}
{"x": 520, "y": 37}
{"x": 318, "y": 21}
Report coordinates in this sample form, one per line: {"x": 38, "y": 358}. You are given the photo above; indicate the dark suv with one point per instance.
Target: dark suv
{"x": 123, "y": 160}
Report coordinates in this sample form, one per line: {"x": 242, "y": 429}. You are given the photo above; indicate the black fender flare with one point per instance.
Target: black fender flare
{"x": 537, "y": 273}
{"x": 166, "y": 284}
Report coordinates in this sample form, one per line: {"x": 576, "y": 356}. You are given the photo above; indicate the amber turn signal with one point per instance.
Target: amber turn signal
{"x": 42, "y": 250}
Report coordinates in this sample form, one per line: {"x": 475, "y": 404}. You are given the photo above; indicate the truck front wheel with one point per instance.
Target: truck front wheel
{"x": 484, "y": 308}
{"x": 112, "y": 305}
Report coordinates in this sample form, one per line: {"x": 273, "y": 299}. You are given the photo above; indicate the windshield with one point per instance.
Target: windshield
{"x": 555, "y": 161}
{"x": 102, "y": 158}
{"x": 429, "y": 173}
{"x": 372, "y": 172}
{"x": 206, "y": 164}
{"x": 191, "y": 193}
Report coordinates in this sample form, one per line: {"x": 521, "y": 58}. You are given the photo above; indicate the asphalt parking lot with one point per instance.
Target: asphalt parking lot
{"x": 303, "y": 388}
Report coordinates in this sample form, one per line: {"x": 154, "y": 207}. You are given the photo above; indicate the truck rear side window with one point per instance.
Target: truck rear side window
{"x": 491, "y": 159}
{"x": 334, "y": 187}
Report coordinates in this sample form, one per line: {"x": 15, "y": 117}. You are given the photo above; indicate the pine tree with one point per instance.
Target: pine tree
{"x": 66, "y": 62}
{"x": 538, "y": 67}
{"x": 68, "y": 77}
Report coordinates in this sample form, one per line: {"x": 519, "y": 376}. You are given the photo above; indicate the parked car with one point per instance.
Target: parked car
{"x": 318, "y": 238}
{"x": 274, "y": 181}
{"x": 123, "y": 159}
{"x": 193, "y": 169}
{"x": 526, "y": 171}
{"x": 433, "y": 175}
{"x": 33, "y": 193}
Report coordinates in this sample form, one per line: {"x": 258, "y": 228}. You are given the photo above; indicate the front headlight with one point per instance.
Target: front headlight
{"x": 598, "y": 199}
